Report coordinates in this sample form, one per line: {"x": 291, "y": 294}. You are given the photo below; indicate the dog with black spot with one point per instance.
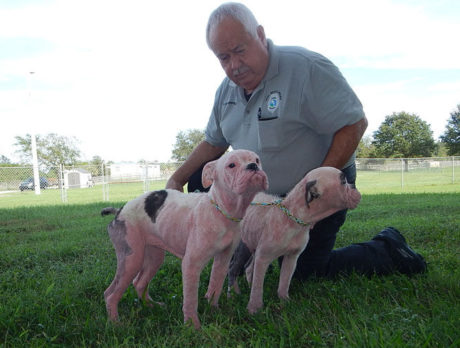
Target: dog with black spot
{"x": 195, "y": 227}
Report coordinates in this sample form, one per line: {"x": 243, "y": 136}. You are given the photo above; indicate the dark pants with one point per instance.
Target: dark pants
{"x": 319, "y": 258}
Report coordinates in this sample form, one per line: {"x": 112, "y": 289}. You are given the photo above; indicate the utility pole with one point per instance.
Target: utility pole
{"x": 34, "y": 142}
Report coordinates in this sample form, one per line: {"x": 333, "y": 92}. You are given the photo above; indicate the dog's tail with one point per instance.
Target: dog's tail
{"x": 109, "y": 210}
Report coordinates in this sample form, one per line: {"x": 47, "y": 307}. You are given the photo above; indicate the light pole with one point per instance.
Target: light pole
{"x": 34, "y": 142}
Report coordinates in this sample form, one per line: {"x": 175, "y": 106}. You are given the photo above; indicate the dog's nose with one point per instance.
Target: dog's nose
{"x": 253, "y": 167}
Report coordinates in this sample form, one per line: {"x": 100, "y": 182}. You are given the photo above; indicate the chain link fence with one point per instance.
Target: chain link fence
{"x": 98, "y": 182}
{"x": 408, "y": 172}
{"x": 124, "y": 181}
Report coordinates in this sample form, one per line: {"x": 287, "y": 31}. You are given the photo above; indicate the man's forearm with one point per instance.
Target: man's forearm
{"x": 345, "y": 142}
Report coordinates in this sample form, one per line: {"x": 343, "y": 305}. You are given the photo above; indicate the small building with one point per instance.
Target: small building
{"x": 77, "y": 178}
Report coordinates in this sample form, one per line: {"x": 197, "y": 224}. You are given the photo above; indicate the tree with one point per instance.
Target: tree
{"x": 96, "y": 161}
{"x": 4, "y": 160}
{"x": 365, "y": 147}
{"x": 52, "y": 150}
{"x": 441, "y": 149}
{"x": 404, "y": 135}
{"x": 96, "y": 166}
{"x": 185, "y": 143}
{"x": 451, "y": 137}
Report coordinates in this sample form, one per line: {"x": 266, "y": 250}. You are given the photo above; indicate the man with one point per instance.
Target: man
{"x": 297, "y": 112}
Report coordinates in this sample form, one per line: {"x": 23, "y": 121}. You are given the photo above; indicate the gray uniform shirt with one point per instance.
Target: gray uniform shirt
{"x": 291, "y": 117}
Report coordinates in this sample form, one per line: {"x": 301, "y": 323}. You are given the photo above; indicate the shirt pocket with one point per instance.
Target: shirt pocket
{"x": 270, "y": 133}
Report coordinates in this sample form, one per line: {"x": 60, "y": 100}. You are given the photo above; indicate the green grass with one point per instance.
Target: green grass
{"x": 117, "y": 193}
{"x": 368, "y": 182}
{"x": 414, "y": 181}
{"x": 56, "y": 260}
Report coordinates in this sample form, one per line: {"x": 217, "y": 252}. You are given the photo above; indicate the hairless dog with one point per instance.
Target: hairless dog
{"x": 195, "y": 227}
{"x": 273, "y": 227}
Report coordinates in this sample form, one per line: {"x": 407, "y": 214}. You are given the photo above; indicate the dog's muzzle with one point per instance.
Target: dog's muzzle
{"x": 252, "y": 166}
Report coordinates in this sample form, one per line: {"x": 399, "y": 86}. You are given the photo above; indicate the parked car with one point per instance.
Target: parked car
{"x": 28, "y": 184}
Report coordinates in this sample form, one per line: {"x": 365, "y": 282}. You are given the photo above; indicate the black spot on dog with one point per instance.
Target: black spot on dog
{"x": 110, "y": 210}
{"x": 153, "y": 203}
{"x": 310, "y": 192}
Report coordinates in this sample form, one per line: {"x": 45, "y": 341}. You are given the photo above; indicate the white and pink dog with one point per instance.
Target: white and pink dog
{"x": 272, "y": 227}
{"x": 195, "y": 227}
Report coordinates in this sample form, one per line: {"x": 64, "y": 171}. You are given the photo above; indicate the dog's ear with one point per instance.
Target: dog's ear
{"x": 207, "y": 176}
{"x": 311, "y": 192}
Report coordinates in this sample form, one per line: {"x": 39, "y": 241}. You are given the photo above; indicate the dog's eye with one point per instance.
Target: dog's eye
{"x": 231, "y": 165}
{"x": 257, "y": 161}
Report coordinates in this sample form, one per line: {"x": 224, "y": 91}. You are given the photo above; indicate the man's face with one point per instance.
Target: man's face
{"x": 243, "y": 57}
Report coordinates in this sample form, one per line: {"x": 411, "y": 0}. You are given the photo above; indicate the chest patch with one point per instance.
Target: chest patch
{"x": 273, "y": 101}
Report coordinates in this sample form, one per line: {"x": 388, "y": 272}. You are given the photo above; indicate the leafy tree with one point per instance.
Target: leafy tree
{"x": 4, "y": 160}
{"x": 52, "y": 150}
{"x": 451, "y": 137}
{"x": 185, "y": 143}
{"x": 404, "y": 135}
{"x": 441, "y": 149}
{"x": 96, "y": 165}
{"x": 365, "y": 147}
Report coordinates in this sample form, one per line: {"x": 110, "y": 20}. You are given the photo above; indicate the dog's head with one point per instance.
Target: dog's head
{"x": 330, "y": 185}
{"x": 322, "y": 192}
{"x": 238, "y": 171}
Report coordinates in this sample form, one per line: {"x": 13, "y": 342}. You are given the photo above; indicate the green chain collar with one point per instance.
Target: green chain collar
{"x": 284, "y": 209}
{"x": 224, "y": 213}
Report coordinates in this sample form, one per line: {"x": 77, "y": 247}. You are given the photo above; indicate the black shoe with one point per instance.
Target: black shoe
{"x": 406, "y": 260}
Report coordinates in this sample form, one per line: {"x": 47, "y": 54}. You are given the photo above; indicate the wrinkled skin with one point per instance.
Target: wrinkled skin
{"x": 186, "y": 225}
{"x": 269, "y": 233}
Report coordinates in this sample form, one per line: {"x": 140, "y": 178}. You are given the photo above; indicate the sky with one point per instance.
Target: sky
{"x": 124, "y": 77}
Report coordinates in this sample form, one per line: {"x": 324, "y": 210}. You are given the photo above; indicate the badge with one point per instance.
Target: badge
{"x": 273, "y": 101}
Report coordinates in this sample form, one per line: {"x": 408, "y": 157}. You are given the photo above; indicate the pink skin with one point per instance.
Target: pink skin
{"x": 188, "y": 226}
{"x": 269, "y": 233}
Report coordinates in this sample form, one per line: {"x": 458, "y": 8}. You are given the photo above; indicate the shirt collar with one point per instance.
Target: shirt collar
{"x": 273, "y": 64}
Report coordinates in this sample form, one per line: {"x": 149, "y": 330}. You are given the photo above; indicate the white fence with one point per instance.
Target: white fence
{"x": 407, "y": 164}
{"x": 66, "y": 179}
{"x": 407, "y": 171}
{"x": 127, "y": 180}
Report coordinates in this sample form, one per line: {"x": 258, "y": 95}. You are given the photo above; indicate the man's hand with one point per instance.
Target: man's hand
{"x": 174, "y": 185}
{"x": 203, "y": 153}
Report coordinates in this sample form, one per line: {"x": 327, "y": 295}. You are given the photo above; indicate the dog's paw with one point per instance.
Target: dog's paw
{"x": 254, "y": 308}
{"x": 194, "y": 321}
{"x": 284, "y": 296}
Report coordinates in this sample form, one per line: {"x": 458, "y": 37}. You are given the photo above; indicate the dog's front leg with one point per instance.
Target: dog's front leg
{"x": 192, "y": 265}
{"x": 218, "y": 274}
{"x": 287, "y": 270}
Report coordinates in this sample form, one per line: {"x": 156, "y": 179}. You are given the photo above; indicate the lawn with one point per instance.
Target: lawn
{"x": 57, "y": 260}
{"x": 368, "y": 182}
